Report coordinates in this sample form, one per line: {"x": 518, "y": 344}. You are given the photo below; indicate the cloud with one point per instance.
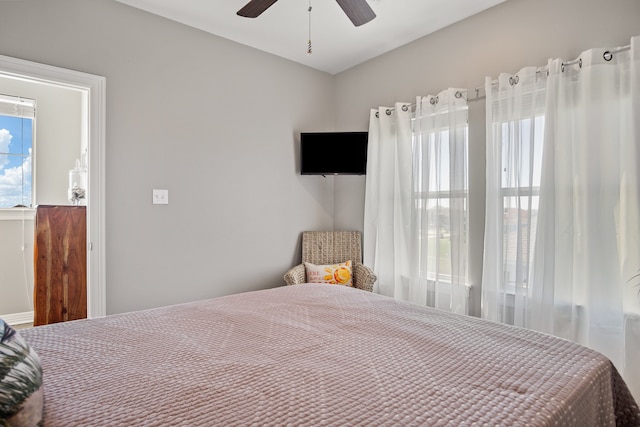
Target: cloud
{"x": 13, "y": 182}
{"x": 5, "y": 140}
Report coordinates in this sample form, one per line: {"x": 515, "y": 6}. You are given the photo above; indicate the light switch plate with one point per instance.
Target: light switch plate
{"x": 160, "y": 197}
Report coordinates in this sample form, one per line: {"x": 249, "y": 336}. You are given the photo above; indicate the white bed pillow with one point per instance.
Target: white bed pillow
{"x": 334, "y": 274}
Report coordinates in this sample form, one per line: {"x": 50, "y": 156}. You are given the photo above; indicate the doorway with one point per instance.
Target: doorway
{"x": 92, "y": 91}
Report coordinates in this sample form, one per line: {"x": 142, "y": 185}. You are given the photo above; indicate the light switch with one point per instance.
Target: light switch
{"x": 160, "y": 197}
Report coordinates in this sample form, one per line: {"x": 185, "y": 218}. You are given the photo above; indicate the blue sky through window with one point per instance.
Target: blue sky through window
{"x": 16, "y": 146}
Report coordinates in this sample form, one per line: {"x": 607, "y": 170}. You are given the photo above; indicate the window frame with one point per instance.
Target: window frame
{"x": 519, "y": 287}
{"x": 423, "y": 197}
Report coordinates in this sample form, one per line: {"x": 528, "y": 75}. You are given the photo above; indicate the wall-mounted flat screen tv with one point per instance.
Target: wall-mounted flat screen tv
{"x": 333, "y": 153}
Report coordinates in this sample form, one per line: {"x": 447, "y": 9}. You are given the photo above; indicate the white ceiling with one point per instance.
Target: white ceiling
{"x": 337, "y": 44}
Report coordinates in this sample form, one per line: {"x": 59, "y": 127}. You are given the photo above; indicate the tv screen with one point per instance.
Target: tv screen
{"x": 333, "y": 153}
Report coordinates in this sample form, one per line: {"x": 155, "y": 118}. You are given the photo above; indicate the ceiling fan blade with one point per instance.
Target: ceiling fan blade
{"x": 358, "y": 11}
{"x": 254, "y": 8}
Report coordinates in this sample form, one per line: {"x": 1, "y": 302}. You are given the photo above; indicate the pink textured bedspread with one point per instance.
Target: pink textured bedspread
{"x": 312, "y": 355}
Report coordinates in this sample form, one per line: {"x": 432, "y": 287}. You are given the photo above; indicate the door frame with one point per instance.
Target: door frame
{"x": 94, "y": 88}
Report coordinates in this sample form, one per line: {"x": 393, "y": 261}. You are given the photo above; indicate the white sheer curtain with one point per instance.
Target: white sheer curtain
{"x": 387, "y": 208}
{"x": 416, "y": 201}
{"x": 441, "y": 199}
{"x": 587, "y": 237}
{"x": 515, "y": 128}
{"x": 589, "y": 208}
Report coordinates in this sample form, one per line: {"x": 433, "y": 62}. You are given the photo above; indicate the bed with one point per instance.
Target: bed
{"x": 319, "y": 355}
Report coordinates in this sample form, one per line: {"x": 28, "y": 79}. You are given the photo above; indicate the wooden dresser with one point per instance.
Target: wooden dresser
{"x": 60, "y": 259}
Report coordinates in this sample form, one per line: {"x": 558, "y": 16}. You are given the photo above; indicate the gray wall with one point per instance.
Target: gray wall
{"x": 57, "y": 146}
{"x": 212, "y": 121}
{"x": 505, "y": 38}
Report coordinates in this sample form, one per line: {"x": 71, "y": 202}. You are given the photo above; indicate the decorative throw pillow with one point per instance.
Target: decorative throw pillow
{"x": 21, "y": 391}
{"x": 335, "y": 274}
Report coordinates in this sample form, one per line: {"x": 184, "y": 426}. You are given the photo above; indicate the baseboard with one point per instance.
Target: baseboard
{"x": 18, "y": 318}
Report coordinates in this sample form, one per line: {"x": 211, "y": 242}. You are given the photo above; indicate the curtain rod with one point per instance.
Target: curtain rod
{"x": 607, "y": 56}
{"x": 458, "y": 94}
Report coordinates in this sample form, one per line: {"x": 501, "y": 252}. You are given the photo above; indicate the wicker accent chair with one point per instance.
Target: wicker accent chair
{"x": 333, "y": 247}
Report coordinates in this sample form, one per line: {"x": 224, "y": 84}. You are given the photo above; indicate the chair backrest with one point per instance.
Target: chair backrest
{"x": 331, "y": 247}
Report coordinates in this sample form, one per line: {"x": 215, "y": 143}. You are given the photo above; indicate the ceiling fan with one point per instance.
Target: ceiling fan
{"x": 358, "y": 11}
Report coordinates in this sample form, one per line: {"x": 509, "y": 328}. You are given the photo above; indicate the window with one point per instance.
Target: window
{"x": 16, "y": 151}
{"x": 440, "y": 199}
{"x": 438, "y": 203}
{"x": 521, "y": 144}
